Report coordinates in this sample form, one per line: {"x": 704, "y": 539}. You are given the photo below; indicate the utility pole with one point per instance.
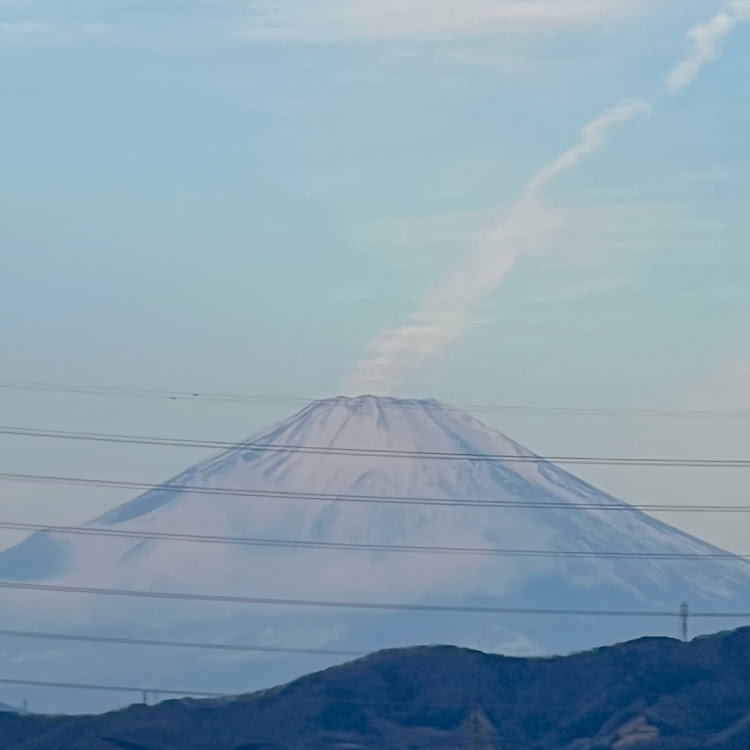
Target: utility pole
{"x": 684, "y": 616}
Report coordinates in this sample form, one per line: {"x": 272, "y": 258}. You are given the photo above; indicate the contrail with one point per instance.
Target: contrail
{"x": 445, "y": 312}
{"x": 707, "y": 41}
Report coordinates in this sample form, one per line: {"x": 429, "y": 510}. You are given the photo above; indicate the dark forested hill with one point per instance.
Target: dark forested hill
{"x": 659, "y": 694}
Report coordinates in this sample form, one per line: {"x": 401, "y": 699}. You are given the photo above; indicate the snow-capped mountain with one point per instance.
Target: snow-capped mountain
{"x": 342, "y": 470}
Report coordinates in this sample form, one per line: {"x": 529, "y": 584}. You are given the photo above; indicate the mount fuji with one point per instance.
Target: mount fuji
{"x": 361, "y": 471}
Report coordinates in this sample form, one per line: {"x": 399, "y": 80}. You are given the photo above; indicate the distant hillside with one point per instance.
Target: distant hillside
{"x": 653, "y": 693}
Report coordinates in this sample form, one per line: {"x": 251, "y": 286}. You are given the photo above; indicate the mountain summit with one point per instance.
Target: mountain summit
{"x": 381, "y": 472}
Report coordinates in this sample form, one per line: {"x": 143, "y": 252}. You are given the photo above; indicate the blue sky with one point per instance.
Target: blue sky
{"x": 246, "y": 196}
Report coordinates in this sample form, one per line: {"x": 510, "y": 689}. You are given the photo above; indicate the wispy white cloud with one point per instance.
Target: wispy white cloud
{"x": 55, "y": 32}
{"x": 379, "y": 20}
{"x": 159, "y": 23}
{"x": 707, "y": 41}
{"x": 593, "y": 137}
{"x": 331, "y": 21}
{"x": 447, "y": 311}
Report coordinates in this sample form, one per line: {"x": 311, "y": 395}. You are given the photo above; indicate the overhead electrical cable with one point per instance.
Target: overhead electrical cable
{"x": 116, "y": 640}
{"x": 378, "y": 499}
{"x": 112, "y": 688}
{"x": 360, "y": 546}
{"x": 156, "y": 693}
{"x": 258, "y": 447}
{"x": 199, "y": 395}
{"x": 331, "y": 604}
{"x": 348, "y": 700}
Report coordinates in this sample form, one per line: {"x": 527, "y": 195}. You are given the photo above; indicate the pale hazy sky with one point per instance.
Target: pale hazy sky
{"x": 266, "y": 197}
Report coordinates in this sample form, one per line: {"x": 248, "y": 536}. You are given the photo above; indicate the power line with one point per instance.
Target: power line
{"x": 112, "y": 688}
{"x": 378, "y": 499}
{"x": 198, "y": 395}
{"x": 373, "y": 452}
{"x": 384, "y": 606}
{"x": 362, "y": 547}
{"x": 116, "y": 640}
{"x": 329, "y": 604}
{"x": 149, "y": 393}
{"x": 348, "y": 700}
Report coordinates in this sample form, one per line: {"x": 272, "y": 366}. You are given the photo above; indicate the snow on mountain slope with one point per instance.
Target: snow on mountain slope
{"x": 342, "y": 427}
{"x": 334, "y": 452}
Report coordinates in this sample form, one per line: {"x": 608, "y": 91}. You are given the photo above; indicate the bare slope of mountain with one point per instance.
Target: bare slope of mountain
{"x": 655, "y": 694}
{"x": 343, "y": 470}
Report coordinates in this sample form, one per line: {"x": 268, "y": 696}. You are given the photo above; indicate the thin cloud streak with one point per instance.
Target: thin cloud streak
{"x": 707, "y": 43}
{"x": 330, "y": 21}
{"x": 46, "y": 32}
{"x": 447, "y": 311}
{"x": 388, "y": 20}
{"x": 593, "y": 137}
